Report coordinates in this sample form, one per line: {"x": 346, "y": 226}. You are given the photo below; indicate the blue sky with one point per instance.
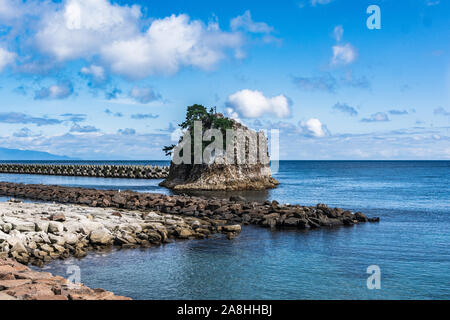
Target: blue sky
{"x": 99, "y": 79}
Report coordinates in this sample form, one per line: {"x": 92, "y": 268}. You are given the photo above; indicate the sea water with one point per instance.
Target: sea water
{"x": 410, "y": 245}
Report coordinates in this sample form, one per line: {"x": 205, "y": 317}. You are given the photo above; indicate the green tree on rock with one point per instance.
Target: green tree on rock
{"x": 209, "y": 119}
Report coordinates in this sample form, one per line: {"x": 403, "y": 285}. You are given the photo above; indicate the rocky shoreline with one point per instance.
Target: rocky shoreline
{"x": 235, "y": 210}
{"x": 81, "y": 220}
{"x": 37, "y": 233}
{"x": 103, "y": 171}
{"x": 18, "y": 282}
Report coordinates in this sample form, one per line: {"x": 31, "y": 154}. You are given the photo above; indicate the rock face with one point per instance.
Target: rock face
{"x": 219, "y": 177}
{"x": 18, "y": 282}
{"x": 235, "y": 175}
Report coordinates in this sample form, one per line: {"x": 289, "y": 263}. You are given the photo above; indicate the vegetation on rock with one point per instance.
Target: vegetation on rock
{"x": 210, "y": 120}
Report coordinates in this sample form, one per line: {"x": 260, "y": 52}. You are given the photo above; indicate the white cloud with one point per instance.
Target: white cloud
{"x": 377, "y": 117}
{"x": 10, "y": 9}
{"x": 245, "y": 22}
{"x": 61, "y": 90}
{"x": 338, "y": 32}
{"x": 313, "y": 127}
{"x": 81, "y": 27}
{"x": 343, "y": 54}
{"x": 144, "y": 94}
{"x": 169, "y": 44}
{"x": 433, "y": 2}
{"x": 95, "y": 71}
{"x": 316, "y": 2}
{"x": 253, "y": 104}
{"x": 76, "y": 30}
{"x": 6, "y": 58}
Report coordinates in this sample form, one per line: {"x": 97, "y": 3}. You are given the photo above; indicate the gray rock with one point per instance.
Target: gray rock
{"x": 21, "y": 225}
{"x": 55, "y": 227}
{"x": 19, "y": 248}
{"x": 70, "y": 238}
{"x": 101, "y": 236}
{"x": 42, "y": 225}
{"x": 6, "y": 227}
{"x": 59, "y": 240}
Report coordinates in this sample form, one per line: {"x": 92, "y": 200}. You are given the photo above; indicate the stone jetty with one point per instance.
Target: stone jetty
{"x": 18, "y": 282}
{"x": 219, "y": 212}
{"x": 37, "y": 233}
{"x": 80, "y": 170}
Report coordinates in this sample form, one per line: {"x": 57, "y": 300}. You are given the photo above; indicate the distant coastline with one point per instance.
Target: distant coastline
{"x": 29, "y": 155}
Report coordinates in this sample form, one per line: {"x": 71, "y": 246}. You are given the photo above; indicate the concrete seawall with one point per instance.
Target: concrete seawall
{"x": 104, "y": 171}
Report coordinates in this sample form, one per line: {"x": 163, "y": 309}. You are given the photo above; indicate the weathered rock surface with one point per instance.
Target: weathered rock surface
{"x": 248, "y": 171}
{"x": 18, "y": 282}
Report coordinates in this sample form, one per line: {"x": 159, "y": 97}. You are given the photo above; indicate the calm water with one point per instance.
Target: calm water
{"x": 410, "y": 244}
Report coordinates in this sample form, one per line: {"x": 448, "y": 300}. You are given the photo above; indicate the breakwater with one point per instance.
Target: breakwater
{"x": 103, "y": 171}
{"x": 235, "y": 209}
{"x": 91, "y": 219}
{"x": 37, "y": 233}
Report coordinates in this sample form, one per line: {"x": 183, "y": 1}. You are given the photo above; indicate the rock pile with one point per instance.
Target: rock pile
{"x": 235, "y": 210}
{"x": 40, "y": 232}
{"x": 18, "y": 282}
{"x": 104, "y": 171}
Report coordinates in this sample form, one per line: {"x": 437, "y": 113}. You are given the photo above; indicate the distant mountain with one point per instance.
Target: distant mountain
{"x": 16, "y": 154}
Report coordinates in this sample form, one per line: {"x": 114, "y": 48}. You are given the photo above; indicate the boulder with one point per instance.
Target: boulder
{"x": 42, "y": 225}
{"x": 232, "y": 228}
{"x": 291, "y": 222}
{"x": 19, "y": 248}
{"x": 6, "y": 227}
{"x": 59, "y": 240}
{"x": 58, "y": 217}
{"x": 21, "y": 225}
{"x": 70, "y": 238}
{"x": 184, "y": 233}
{"x": 119, "y": 199}
{"x": 101, "y": 236}
{"x": 361, "y": 217}
{"x": 55, "y": 227}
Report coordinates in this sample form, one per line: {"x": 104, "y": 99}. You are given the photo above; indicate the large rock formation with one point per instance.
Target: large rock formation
{"x": 226, "y": 176}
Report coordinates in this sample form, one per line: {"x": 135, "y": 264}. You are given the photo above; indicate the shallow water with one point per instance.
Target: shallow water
{"x": 410, "y": 244}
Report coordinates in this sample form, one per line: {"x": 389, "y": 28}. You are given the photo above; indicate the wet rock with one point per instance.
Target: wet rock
{"x": 232, "y": 228}
{"x": 237, "y": 198}
{"x": 291, "y": 222}
{"x": 361, "y": 217}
